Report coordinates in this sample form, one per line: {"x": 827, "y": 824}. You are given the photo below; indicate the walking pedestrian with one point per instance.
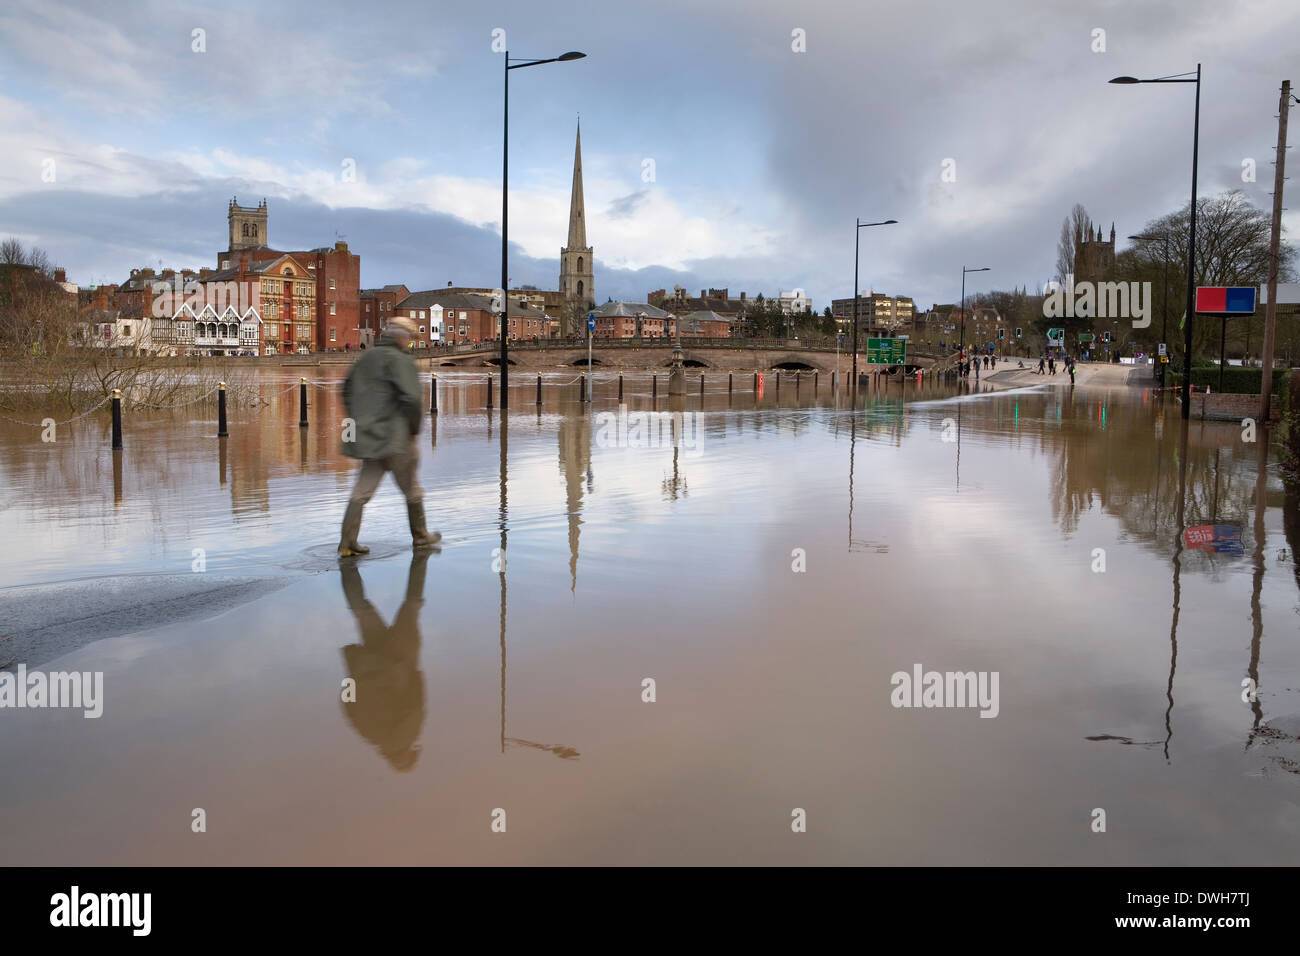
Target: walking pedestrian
{"x": 382, "y": 397}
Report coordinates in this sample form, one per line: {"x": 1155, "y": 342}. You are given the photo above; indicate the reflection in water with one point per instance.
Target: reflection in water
{"x": 575, "y": 466}
{"x": 389, "y": 707}
{"x": 1257, "y": 576}
{"x": 1178, "y": 587}
{"x": 504, "y": 442}
{"x": 575, "y": 452}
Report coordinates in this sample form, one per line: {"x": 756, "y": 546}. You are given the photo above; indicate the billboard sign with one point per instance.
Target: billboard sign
{"x": 1226, "y": 300}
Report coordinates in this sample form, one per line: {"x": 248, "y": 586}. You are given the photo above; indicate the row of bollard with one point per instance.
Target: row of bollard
{"x": 584, "y": 395}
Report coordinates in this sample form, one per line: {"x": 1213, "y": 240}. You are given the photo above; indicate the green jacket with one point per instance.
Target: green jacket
{"x": 382, "y": 394}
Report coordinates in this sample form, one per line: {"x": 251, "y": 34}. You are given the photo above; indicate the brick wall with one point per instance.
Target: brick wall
{"x": 1227, "y": 407}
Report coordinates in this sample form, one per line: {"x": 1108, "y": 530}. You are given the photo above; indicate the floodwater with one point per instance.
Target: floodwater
{"x": 771, "y": 572}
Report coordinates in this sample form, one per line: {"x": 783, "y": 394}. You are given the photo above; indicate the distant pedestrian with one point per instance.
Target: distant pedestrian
{"x": 1041, "y": 363}
{"x": 383, "y": 398}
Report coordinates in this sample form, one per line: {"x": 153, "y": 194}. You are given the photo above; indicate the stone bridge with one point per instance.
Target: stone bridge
{"x": 722, "y": 354}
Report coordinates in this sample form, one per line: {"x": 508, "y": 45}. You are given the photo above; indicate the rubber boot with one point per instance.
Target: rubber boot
{"x": 420, "y": 536}
{"x": 348, "y": 546}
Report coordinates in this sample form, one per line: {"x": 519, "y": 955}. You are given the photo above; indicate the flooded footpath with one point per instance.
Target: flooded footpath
{"x": 936, "y": 625}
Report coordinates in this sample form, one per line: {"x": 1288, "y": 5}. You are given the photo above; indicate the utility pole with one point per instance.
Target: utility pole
{"x": 1275, "y": 242}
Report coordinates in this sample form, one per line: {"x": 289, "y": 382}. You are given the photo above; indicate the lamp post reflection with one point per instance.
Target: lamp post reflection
{"x": 503, "y": 516}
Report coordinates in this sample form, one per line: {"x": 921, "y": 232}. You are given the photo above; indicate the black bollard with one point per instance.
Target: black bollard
{"x": 701, "y": 385}
{"x": 778, "y": 384}
{"x": 433, "y": 394}
{"x": 489, "y": 404}
{"x": 117, "y": 419}
{"x": 796, "y": 384}
{"x": 728, "y": 383}
{"x": 302, "y": 403}
{"x": 582, "y": 384}
{"x": 815, "y": 373}
{"x": 755, "y": 383}
{"x": 654, "y": 385}
{"x": 221, "y": 410}
{"x": 539, "y": 389}
{"x": 620, "y": 386}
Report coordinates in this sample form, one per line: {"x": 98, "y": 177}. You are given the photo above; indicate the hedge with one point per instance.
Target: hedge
{"x": 1236, "y": 380}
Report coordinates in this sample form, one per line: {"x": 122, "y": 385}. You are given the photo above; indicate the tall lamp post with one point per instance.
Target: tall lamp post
{"x": 961, "y": 347}
{"x": 1191, "y": 239}
{"x": 517, "y": 64}
{"x": 1164, "y": 318}
{"x": 857, "y": 233}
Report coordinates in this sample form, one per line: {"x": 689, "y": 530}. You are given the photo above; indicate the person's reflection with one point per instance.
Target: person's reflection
{"x": 389, "y": 707}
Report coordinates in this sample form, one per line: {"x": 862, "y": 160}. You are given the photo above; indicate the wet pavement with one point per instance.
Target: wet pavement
{"x": 954, "y": 531}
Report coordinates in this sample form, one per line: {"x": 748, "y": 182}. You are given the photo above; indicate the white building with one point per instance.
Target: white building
{"x": 209, "y": 332}
{"x": 126, "y": 336}
{"x": 794, "y": 301}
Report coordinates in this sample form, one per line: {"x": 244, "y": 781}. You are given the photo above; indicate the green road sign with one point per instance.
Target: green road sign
{"x": 1085, "y": 336}
{"x": 886, "y": 351}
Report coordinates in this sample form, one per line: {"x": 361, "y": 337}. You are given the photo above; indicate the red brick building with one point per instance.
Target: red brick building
{"x": 618, "y": 320}
{"x": 376, "y": 308}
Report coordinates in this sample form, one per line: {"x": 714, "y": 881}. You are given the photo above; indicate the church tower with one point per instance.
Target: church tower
{"x": 247, "y": 226}
{"x": 577, "y": 278}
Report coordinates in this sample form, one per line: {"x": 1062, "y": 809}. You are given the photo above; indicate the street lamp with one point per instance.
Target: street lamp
{"x": 518, "y": 64}
{"x": 857, "y": 233}
{"x": 961, "y": 346}
{"x": 1191, "y": 240}
{"x": 1164, "y": 319}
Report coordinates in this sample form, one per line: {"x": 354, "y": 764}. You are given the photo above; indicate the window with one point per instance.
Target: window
{"x": 126, "y": 329}
{"x": 422, "y": 330}
{"x": 462, "y": 330}
{"x": 579, "y": 269}
{"x": 331, "y": 283}
{"x": 579, "y": 287}
{"x": 451, "y": 315}
{"x": 331, "y": 308}
{"x": 332, "y": 335}
{"x": 421, "y": 313}
{"x": 412, "y": 313}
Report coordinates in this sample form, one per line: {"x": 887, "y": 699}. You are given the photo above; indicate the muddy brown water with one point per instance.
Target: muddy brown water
{"x": 771, "y": 571}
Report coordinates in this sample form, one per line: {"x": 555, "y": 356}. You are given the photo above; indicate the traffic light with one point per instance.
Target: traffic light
{"x": 1002, "y": 334}
{"x": 1019, "y": 332}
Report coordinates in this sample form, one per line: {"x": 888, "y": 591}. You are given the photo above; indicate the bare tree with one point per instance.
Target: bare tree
{"x": 1076, "y": 225}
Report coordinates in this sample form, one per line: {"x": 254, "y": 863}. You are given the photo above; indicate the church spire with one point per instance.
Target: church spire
{"x": 577, "y": 216}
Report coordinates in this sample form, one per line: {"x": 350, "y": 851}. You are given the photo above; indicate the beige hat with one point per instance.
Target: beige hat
{"x": 402, "y": 324}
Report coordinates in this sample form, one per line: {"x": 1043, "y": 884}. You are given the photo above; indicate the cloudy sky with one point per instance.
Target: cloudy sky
{"x": 761, "y": 154}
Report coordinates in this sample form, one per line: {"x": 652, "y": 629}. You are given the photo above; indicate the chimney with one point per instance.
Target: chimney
{"x": 60, "y": 275}
{"x": 704, "y": 293}
{"x": 742, "y": 297}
